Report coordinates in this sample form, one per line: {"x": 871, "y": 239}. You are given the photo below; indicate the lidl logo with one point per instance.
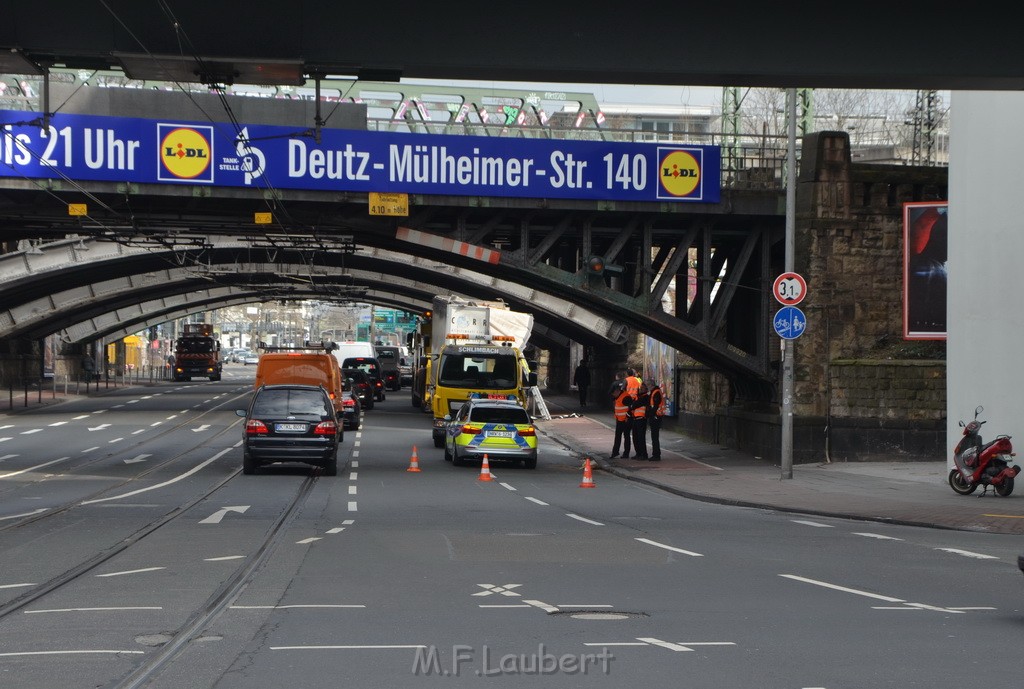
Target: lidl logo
{"x": 679, "y": 173}
{"x": 185, "y": 153}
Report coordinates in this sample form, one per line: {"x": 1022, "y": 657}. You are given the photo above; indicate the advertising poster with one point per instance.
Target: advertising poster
{"x": 659, "y": 366}
{"x": 925, "y": 246}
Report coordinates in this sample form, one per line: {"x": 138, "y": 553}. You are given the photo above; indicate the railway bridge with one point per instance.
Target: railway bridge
{"x": 139, "y": 253}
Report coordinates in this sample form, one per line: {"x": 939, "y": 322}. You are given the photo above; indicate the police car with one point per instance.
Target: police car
{"x": 498, "y": 428}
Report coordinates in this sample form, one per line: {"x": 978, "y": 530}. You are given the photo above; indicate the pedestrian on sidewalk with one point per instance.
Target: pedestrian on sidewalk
{"x": 638, "y": 407}
{"x": 622, "y": 424}
{"x": 581, "y": 379}
{"x": 88, "y": 367}
{"x": 655, "y": 410}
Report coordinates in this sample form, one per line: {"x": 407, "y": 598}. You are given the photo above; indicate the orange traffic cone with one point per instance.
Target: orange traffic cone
{"x": 414, "y": 463}
{"x": 485, "y": 471}
{"x": 588, "y": 476}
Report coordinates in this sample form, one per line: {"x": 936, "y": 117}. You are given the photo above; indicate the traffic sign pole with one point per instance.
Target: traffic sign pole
{"x": 786, "y": 447}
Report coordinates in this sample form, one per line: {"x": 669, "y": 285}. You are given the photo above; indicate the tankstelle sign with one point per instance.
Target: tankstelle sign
{"x": 117, "y": 149}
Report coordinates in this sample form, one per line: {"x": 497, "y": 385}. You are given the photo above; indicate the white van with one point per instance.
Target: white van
{"x": 351, "y": 348}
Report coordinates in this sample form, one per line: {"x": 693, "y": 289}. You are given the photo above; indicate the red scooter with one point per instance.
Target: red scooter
{"x": 982, "y": 464}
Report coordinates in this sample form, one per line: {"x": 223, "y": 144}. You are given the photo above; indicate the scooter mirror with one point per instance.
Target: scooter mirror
{"x": 978, "y": 410}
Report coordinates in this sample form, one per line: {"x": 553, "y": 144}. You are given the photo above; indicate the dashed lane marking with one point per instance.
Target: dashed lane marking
{"x": 583, "y": 519}
{"x": 37, "y": 612}
{"x": 131, "y": 571}
{"x": 810, "y": 523}
{"x": 669, "y": 547}
{"x": 16, "y": 654}
{"x": 968, "y": 553}
{"x": 33, "y": 468}
{"x": 289, "y": 607}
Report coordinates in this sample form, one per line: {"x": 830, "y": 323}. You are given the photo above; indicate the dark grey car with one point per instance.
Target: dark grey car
{"x": 291, "y": 423}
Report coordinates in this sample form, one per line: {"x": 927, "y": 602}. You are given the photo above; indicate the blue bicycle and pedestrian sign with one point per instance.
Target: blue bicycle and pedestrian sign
{"x": 790, "y": 322}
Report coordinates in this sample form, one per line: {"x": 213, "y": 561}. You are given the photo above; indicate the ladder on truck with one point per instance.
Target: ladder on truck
{"x": 537, "y": 405}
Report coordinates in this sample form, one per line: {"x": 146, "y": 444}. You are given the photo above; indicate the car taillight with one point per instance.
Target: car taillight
{"x": 348, "y": 402}
{"x": 469, "y": 430}
{"x": 255, "y": 427}
{"x": 527, "y": 432}
{"x": 326, "y": 428}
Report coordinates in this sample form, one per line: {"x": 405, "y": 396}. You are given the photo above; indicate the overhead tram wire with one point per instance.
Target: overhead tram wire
{"x": 236, "y": 137}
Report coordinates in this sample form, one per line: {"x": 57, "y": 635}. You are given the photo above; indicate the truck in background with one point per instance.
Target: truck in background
{"x": 476, "y": 348}
{"x": 390, "y": 359}
{"x": 197, "y": 353}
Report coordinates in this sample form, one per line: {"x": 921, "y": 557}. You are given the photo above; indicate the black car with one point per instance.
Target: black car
{"x": 371, "y": 367}
{"x": 362, "y": 385}
{"x": 291, "y": 423}
{"x": 351, "y": 406}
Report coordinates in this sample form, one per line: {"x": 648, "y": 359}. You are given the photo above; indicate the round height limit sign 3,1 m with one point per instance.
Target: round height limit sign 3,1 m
{"x": 789, "y": 289}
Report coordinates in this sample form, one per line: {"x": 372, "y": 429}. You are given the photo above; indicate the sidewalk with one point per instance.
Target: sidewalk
{"x": 15, "y": 400}
{"x": 911, "y": 493}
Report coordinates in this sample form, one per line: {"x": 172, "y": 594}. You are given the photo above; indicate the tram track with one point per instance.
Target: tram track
{"x": 71, "y": 574}
{"x": 223, "y": 597}
{"x": 60, "y": 509}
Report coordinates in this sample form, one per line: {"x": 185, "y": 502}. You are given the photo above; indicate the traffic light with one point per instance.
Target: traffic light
{"x": 595, "y": 265}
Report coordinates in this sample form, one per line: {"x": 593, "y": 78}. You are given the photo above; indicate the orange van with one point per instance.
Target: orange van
{"x": 301, "y": 368}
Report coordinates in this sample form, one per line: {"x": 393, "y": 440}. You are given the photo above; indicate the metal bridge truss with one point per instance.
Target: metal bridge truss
{"x": 697, "y": 281}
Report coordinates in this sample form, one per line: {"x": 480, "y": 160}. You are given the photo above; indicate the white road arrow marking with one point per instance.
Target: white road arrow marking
{"x": 137, "y": 459}
{"x": 100, "y": 427}
{"x": 219, "y": 514}
{"x": 201, "y": 428}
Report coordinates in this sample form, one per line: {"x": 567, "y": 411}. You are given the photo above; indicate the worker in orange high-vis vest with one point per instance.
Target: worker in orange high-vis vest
{"x": 638, "y": 406}
{"x": 623, "y": 423}
{"x": 632, "y": 381}
{"x": 655, "y": 410}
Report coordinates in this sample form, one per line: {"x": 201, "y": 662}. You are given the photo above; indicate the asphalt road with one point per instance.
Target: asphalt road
{"x": 134, "y": 553}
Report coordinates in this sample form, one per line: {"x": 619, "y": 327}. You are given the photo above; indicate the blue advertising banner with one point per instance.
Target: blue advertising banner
{"x": 118, "y": 149}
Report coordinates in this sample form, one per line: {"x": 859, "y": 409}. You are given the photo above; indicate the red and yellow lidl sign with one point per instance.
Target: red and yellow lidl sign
{"x": 679, "y": 173}
{"x": 186, "y": 153}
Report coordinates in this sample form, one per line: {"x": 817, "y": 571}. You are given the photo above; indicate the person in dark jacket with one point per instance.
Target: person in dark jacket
{"x": 655, "y": 410}
{"x": 581, "y": 379}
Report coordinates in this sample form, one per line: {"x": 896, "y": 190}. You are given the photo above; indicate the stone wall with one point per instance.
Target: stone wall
{"x": 861, "y": 391}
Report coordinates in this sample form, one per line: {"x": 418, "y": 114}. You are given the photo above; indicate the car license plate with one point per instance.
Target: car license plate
{"x": 501, "y": 434}
{"x": 290, "y": 427}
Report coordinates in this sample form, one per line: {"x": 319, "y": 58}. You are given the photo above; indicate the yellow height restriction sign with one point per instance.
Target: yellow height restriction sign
{"x": 263, "y": 218}
{"x": 78, "y": 209}
{"x": 389, "y": 204}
